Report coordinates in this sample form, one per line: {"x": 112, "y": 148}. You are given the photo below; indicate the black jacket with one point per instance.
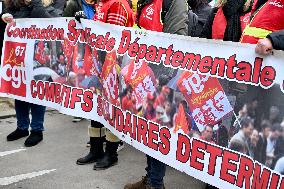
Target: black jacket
{"x": 277, "y": 39}
{"x": 2, "y": 31}
{"x": 34, "y": 10}
{"x": 72, "y": 7}
{"x": 207, "y": 29}
{"x": 203, "y": 13}
{"x": 279, "y": 150}
{"x": 59, "y": 4}
{"x": 260, "y": 152}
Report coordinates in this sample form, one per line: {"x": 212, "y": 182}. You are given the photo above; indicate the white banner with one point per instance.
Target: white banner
{"x": 62, "y": 64}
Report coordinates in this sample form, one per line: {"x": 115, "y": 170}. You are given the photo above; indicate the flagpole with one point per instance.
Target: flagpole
{"x": 237, "y": 119}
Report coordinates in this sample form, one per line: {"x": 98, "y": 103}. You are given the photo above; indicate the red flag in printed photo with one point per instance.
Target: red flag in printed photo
{"x": 91, "y": 64}
{"x": 109, "y": 76}
{"x": 68, "y": 49}
{"x": 39, "y": 53}
{"x": 206, "y": 98}
{"x": 180, "y": 121}
{"x": 142, "y": 79}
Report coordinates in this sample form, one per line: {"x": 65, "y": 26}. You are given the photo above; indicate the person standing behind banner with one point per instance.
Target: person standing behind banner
{"x": 169, "y": 16}
{"x": 117, "y": 13}
{"x": 202, "y": 9}
{"x": 2, "y": 26}
{"x": 274, "y": 40}
{"x": 226, "y": 22}
{"x": 28, "y": 9}
{"x": 78, "y": 7}
{"x": 268, "y": 18}
{"x": 260, "y": 152}
{"x": 59, "y": 5}
{"x": 244, "y": 134}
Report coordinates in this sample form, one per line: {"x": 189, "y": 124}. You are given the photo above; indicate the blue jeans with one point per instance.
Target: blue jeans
{"x": 156, "y": 171}
{"x": 22, "y": 113}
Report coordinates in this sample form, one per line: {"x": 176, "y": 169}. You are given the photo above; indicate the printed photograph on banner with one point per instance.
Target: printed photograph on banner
{"x": 241, "y": 117}
{"x": 230, "y": 114}
{"x": 63, "y": 62}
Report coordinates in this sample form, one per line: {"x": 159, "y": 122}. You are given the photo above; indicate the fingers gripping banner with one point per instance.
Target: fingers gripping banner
{"x": 207, "y": 119}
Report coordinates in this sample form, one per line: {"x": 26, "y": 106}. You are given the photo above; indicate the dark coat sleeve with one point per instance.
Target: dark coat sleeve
{"x": 59, "y": 4}
{"x": 38, "y": 10}
{"x": 71, "y": 8}
{"x": 2, "y": 30}
{"x": 176, "y": 19}
{"x": 277, "y": 39}
{"x": 207, "y": 29}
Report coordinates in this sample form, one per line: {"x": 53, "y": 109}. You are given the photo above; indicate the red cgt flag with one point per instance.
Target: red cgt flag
{"x": 109, "y": 76}
{"x": 206, "y": 98}
{"x": 181, "y": 121}
{"x": 142, "y": 79}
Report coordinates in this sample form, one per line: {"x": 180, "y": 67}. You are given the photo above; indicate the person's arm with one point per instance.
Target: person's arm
{"x": 207, "y": 29}
{"x": 39, "y": 11}
{"x": 277, "y": 40}
{"x": 117, "y": 14}
{"x": 176, "y": 19}
{"x": 71, "y": 9}
{"x": 274, "y": 40}
{"x": 59, "y": 4}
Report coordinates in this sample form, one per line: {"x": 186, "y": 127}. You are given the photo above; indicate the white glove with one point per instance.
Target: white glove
{"x": 7, "y": 18}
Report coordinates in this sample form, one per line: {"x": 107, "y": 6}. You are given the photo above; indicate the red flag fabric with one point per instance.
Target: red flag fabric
{"x": 68, "y": 49}
{"x": 39, "y": 53}
{"x": 206, "y": 98}
{"x": 91, "y": 64}
{"x": 76, "y": 59}
{"x": 141, "y": 78}
{"x": 110, "y": 78}
{"x": 181, "y": 121}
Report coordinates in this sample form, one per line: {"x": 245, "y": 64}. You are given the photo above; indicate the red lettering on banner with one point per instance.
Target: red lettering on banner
{"x": 125, "y": 41}
{"x": 58, "y": 95}
{"x": 282, "y": 183}
{"x": 49, "y": 91}
{"x": 227, "y": 165}
{"x": 75, "y": 97}
{"x": 153, "y": 136}
{"x": 40, "y": 90}
{"x": 67, "y": 92}
{"x": 260, "y": 178}
{"x": 87, "y": 106}
{"x": 164, "y": 145}
{"x": 177, "y": 58}
{"x": 245, "y": 172}
{"x": 231, "y": 63}
{"x": 214, "y": 152}
{"x": 183, "y": 148}
{"x": 142, "y": 129}
{"x": 268, "y": 75}
{"x": 33, "y": 89}
{"x": 119, "y": 120}
{"x": 169, "y": 53}
{"x": 127, "y": 125}
{"x": 197, "y": 154}
{"x": 243, "y": 73}
{"x": 257, "y": 70}
{"x": 274, "y": 181}
{"x": 205, "y": 64}
{"x": 99, "y": 106}
{"x": 134, "y": 127}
